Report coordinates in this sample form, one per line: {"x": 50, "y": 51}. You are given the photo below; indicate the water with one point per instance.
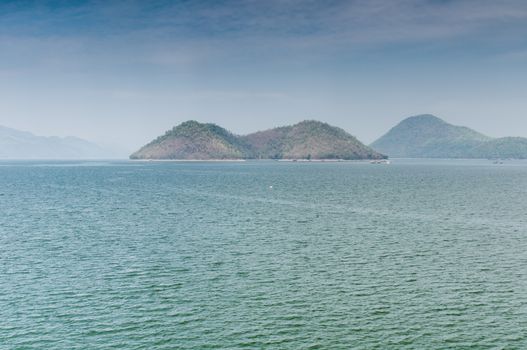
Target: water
{"x": 124, "y": 255}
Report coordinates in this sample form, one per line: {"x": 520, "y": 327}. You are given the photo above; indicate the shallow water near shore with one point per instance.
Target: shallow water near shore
{"x": 419, "y": 254}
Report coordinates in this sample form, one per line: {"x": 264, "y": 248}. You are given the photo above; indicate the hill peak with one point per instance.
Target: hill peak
{"x": 193, "y": 125}
{"x": 311, "y": 122}
{"x": 424, "y": 118}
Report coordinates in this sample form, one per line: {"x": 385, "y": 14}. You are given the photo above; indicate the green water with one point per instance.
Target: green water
{"x": 124, "y": 255}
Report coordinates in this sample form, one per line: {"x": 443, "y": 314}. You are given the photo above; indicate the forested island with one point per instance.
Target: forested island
{"x": 427, "y": 136}
{"x": 309, "y": 139}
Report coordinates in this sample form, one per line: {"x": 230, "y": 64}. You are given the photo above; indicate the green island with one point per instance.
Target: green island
{"x": 309, "y": 140}
{"x": 427, "y": 136}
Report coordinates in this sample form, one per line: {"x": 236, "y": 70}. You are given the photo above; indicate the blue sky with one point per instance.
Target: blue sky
{"x": 123, "y": 72}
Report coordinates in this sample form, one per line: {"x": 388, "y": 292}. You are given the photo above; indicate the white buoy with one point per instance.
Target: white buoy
{"x": 270, "y": 187}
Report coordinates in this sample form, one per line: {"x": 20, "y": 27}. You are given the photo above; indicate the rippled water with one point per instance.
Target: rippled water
{"x": 124, "y": 255}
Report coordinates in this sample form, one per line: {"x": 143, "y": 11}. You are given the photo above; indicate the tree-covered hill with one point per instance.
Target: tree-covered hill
{"x": 426, "y": 136}
{"x": 305, "y": 140}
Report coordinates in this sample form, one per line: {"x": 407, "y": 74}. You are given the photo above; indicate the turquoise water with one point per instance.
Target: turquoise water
{"x": 124, "y": 255}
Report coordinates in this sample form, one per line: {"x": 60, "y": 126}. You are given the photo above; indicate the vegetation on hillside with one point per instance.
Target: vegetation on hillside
{"x": 193, "y": 140}
{"x": 308, "y": 139}
{"x": 305, "y": 140}
{"x": 426, "y": 136}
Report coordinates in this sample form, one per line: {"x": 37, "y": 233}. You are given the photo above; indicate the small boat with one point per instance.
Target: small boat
{"x": 380, "y": 161}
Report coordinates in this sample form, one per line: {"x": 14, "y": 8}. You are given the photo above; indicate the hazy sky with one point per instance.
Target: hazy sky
{"x": 122, "y": 72}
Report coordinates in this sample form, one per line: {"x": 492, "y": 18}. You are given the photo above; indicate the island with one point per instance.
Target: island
{"x": 427, "y": 136}
{"x": 307, "y": 140}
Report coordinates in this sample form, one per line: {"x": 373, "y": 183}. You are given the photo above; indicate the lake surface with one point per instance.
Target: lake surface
{"x": 132, "y": 255}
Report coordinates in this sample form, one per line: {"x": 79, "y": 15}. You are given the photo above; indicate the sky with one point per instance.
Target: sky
{"x": 122, "y": 72}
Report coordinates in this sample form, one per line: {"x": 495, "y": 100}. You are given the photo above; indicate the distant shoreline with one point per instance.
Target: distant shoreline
{"x": 188, "y": 160}
{"x": 254, "y": 160}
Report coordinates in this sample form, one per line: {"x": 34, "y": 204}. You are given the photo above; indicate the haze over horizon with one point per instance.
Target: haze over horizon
{"x": 121, "y": 73}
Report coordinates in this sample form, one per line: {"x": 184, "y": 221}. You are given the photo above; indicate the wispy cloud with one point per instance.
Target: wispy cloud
{"x": 242, "y": 37}
{"x": 271, "y": 24}
{"x": 513, "y": 56}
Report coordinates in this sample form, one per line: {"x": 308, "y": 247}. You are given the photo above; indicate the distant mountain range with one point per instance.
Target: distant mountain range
{"x": 305, "y": 140}
{"x": 426, "y": 136}
{"x": 422, "y": 136}
{"x": 16, "y": 144}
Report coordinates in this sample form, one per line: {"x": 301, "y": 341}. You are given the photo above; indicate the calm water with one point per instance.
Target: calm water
{"x": 123, "y": 255}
